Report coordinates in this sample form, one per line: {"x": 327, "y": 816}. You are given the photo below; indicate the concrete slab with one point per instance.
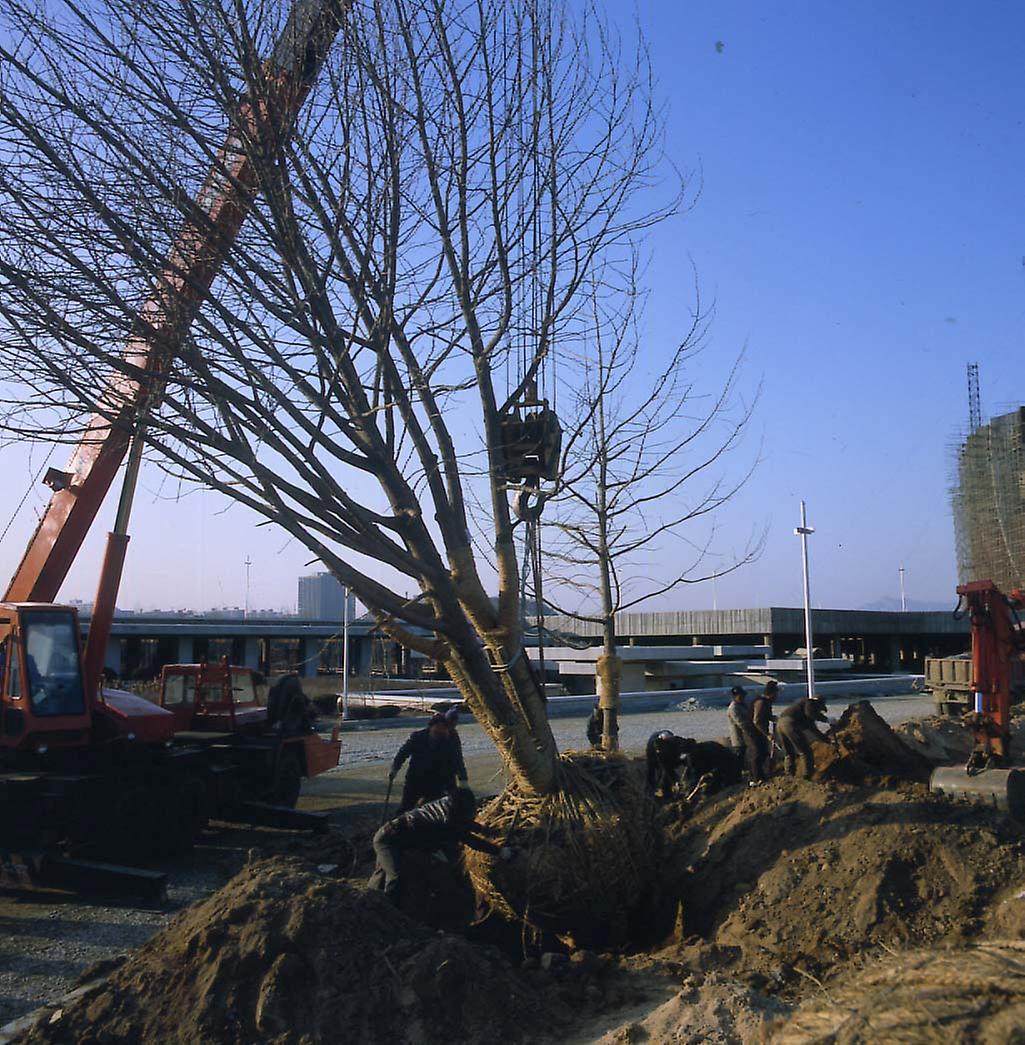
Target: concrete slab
{"x": 800, "y": 664}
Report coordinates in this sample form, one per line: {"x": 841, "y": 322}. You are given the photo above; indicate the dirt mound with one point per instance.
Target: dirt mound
{"x": 973, "y": 994}
{"x": 708, "y": 1009}
{"x": 793, "y": 878}
{"x": 940, "y": 740}
{"x": 282, "y": 953}
{"x": 867, "y": 750}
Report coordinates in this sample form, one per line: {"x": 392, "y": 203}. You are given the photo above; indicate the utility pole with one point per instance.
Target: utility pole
{"x": 345, "y": 652}
{"x": 903, "y": 601}
{"x": 245, "y": 609}
{"x": 804, "y": 531}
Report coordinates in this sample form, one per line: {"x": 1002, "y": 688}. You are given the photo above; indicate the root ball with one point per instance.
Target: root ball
{"x": 586, "y": 863}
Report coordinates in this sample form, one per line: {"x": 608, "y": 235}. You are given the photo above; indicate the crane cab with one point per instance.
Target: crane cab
{"x": 43, "y": 698}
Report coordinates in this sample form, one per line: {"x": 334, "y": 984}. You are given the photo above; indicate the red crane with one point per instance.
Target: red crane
{"x": 54, "y": 722}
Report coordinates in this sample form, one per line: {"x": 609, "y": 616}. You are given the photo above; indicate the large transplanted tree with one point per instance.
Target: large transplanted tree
{"x": 417, "y": 248}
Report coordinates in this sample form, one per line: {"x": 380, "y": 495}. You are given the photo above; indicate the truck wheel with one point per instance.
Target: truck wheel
{"x": 288, "y": 779}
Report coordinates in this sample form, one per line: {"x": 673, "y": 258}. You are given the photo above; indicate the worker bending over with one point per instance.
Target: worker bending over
{"x": 446, "y": 824}
{"x": 434, "y": 763}
{"x": 796, "y": 728}
{"x": 664, "y": 755}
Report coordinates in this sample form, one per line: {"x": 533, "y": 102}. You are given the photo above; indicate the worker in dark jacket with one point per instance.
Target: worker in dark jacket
{"x": 797, "y": 726}
{"x": 445, "y": 824}
{"x": 452, "y": 718}
{"x": 762, "y": 718}
{"x": 748, "y": 744}
{"x": 707, "y": 758}
{"x": 594, "y": 727}
{"x": 664, "y": 755}
{"x": 433, "y": 764}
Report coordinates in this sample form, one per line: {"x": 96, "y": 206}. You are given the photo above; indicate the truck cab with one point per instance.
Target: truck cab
{"x": 43, "y": 699}
{"x": 212, "y": 697}
{"x": 45, "y": 704}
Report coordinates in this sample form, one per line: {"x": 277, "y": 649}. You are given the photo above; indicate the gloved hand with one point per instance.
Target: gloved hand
{"x": 391, "y": 775}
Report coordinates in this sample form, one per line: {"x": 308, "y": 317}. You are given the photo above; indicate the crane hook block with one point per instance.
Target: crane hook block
{"x": 530, "y": 445}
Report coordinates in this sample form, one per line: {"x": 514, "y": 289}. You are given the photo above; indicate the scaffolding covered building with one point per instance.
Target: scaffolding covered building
{"x": 988, "y": 502}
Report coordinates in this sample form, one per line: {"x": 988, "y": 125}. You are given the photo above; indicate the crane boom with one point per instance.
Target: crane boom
{"x": 164, "y": 320}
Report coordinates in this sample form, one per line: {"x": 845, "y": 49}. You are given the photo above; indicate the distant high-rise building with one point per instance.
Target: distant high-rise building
{"x": 321, "y": 598}
{"x": 988, "y": 499}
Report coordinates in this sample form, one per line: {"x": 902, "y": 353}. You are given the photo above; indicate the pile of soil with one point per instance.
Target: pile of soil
{"x": 971, "y": 994}
{"x": 709, "y": 1009}
{"x": 792, "y": 879}
{"x": 284, "y": 953}
{"x": 867, "y": 750}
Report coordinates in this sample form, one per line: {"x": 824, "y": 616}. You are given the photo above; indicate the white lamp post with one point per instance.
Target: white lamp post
{"x": 803, "y": 531}
{"x": 345, "y": 652}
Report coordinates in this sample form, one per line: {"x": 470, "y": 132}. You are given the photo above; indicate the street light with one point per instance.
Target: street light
{"x": 804, "y": 531}
{"x": 345, "y": 652}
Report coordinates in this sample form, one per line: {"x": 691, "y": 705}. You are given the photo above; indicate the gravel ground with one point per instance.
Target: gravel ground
{"x": 48, "y": 940}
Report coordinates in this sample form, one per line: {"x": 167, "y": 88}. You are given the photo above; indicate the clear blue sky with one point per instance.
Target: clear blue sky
{"x": 861, "y": 226}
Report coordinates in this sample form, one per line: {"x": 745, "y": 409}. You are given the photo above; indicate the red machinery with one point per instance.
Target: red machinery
{"x": 79, "y": 766}
{"x": 997, "y": 641}
{"x": 271, "y": 747}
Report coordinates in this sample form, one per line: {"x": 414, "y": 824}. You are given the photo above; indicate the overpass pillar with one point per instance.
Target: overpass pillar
{"x": 309, "y": 654}
{"x": 894, "y": 653}
{"x": 361, "y": 652}
{"x": 186, "y": 654}
{"x": 112, "y": 660}
{"x": 251, "y": 657}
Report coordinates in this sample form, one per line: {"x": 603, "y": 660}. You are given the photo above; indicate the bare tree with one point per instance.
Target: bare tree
{"x": 646, "y": 470}
{"x": 343, "y": 379}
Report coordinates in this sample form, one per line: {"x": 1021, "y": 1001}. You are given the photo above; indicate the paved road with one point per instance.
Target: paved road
{"x": 361, "y": 779}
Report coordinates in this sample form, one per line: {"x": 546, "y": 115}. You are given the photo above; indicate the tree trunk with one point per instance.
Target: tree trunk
{"x": 507, "y": 701}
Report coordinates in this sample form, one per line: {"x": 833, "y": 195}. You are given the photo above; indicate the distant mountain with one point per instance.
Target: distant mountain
{"x": 891, "y": 603}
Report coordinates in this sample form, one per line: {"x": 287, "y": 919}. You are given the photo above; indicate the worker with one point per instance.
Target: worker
{"x": 594, "y": 727}
{"x": 444, "y": 824}
{"x": 738, "y": 715}
{"x": 709, "y": 759}
{"x": 289, "y": 710}
{"x": 797, "y": 725}
{"x": 433, "y": 763}
{"x": 748, "y": 744}
{"x": 664, "y": 755}
{"x": 762, "y": 718}
{"x": 452, "y": 717}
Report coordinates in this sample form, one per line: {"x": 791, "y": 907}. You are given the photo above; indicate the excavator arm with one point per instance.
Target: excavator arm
{"x": 162, "y": 324}
{"x": 997, "y": 641}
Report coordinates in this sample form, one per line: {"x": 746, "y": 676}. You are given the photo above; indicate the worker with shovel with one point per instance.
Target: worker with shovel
{"x": 762, "y": 719}
{"x": 445, "y": 824}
